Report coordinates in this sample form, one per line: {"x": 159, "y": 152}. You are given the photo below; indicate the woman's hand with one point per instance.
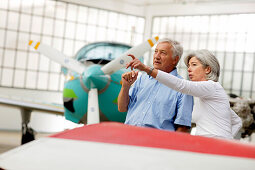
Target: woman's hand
{"x": 136, "y": 64}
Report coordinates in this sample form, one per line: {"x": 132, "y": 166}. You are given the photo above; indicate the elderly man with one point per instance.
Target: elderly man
{"x": 151, "y": 104}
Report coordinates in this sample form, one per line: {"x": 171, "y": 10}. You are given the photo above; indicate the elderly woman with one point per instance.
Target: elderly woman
{"x": 211, "y": 113}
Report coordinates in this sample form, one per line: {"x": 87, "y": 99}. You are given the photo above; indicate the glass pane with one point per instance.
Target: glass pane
{"x": 21, "y": 60}
{"x": 179, "y": 24}
{"x": 103, "y": 18}
{"x": 26, "y": 6}
{"x": 203, "y": 41}
{"x": 212, "y": 38}
{"x": 4, "y": 4}
{"x": 44, "y": 63}
{"x": 59, "y": 28}
{"x": 78, "y": 46}
{"x": 112, "y": 20}
{"x": 31, "y": 79}
{"x": 9, "y": 57}
{"x": 61, "y": 10}
{"x": 249, "y": 60}
{"x": 42, "y": 80}
{"x": 80, "y": 31}
{"x": 247, "y": 78}
{"x": 38, "y": 9}
{"x": 54, "y": 82}
{"x": 50, "y": 9}
{"x": 3, "y": 15}
{"x": 47, "y": 40}
{"x": 68, "y": 47}
{"x": 220, "y": 56}
{"x": 13, "y": 20}
{"x": 227, "y": 79}
{"x": 48, "y": 26}
{"x": 131, "y": 23}
{"x": 230, "y": 44}
{"x": 238, "y": 61}
{"x": 23, "y": 41}
{"x": 140, "y": 25}
{"x": 229, "y": 61}
{"x": 72, "y": 12}
{"x": 11, "y": 39}
{"x": 91, "y": 33}
{"x": 70, "y": 30}
{"x": 25, "y": 22}
{"x": 92, "y": 16}
{"x": 122, "y": 22}
{"x": 240, "y": 44}
{"x": 1, "y": 57}
{"x": 36, "y": 24}
{"x": 33, "y": 61}
{"x": 7, "y": 77}
{"x": 101, "y": 34}
{"x": 221, "y": 42}
{"x": 2, "y": 34}
{"x": 194, "y": 41}
{"x": 82, "y": 14}
{"x": 57, "y": 44}
{"x": 55, "y": 67}
{"x": 19, "y": 77}
{"x": 237, "y": 80}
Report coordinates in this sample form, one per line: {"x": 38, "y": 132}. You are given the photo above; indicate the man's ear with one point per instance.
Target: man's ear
{"x": 176, "y": 60}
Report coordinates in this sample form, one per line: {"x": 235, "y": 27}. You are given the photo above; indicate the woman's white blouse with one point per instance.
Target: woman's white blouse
{"x": 211, "y": 112}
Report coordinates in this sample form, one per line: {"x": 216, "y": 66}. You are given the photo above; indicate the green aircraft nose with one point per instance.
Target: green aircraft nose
{"x": 95, "y": 78}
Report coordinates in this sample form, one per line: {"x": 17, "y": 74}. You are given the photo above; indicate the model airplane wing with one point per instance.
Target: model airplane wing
{"x": 119, "y": 146}
{"x": 32, "y": 106}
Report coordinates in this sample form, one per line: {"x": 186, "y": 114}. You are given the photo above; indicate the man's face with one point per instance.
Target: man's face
{"x": 162, "y": 58}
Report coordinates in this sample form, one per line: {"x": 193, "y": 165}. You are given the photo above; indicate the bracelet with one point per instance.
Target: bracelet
{"x": 151, "y": 69}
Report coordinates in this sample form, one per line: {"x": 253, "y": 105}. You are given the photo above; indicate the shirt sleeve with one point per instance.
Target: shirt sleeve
{"x": 197, "y": 89}
{"x": 236, "y": 123}
{"x": 133, "y": 91}
{"x": 184, "y": 110}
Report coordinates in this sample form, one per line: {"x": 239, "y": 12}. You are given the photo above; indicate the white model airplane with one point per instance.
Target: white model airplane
{"x": 91, "y": 92}
{"x": 119, "y": 146}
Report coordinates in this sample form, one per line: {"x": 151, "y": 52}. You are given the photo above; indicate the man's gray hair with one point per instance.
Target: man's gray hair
{"x": 207, "y": 59}
{"x": 177, "y": 48}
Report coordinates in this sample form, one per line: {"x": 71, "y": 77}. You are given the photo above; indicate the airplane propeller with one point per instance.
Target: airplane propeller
{"x": 95, "y": 78}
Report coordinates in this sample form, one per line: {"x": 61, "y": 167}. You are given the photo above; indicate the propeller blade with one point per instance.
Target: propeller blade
{"x": 137, "y": 51}
{"x": 58, "y": 57}
{"x": 93, "y": 108}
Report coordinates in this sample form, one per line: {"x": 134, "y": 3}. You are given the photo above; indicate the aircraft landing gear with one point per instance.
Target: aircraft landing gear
{"x": 28, "y": 133}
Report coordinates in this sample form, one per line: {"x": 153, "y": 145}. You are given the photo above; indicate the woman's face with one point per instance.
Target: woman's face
{"x": 197, "y": 72}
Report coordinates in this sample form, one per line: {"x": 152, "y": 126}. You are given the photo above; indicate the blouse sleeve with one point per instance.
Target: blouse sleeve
{"x": 236, "y": 123}
{"x": 197, "y": 89}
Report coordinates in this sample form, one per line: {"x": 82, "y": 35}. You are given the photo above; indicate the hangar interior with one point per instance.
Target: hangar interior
{"x": 225, "y": 27}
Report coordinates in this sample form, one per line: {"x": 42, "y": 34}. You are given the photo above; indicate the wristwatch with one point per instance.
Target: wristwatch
{"x": 151, "y": 69}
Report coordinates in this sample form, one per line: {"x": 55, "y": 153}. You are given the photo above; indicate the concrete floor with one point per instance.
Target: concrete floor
{"x": 12, "y": 139}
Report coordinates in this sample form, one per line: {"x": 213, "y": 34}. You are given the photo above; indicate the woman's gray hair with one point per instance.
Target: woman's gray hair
{"x": 177, "y": 48}
{"x": 207, "y": 59}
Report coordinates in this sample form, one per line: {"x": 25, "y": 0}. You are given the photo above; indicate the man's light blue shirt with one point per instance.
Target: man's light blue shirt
{"x": 155, "y": 105}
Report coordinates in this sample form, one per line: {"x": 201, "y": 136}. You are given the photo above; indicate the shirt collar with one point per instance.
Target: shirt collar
{"x": 173, "y": 72}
